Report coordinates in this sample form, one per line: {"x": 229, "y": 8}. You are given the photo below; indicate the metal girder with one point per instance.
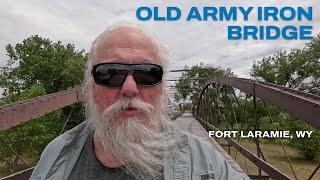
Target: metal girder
{"x": 14, "y": 114}
{"x": 270, "y": 170}
{"x": 22, "y": 175}
{"x": 302, "y": 105}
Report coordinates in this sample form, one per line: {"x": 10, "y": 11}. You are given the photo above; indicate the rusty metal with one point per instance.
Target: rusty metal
{"x": 313, "y": 96}
{"x": 256, "y": 124}
{"x": 282, "y": 145}
{"x": 22, "y": 175}
{"x": 314, "y": 172}
{"x": 66, "y": 122}
{"x": 302, "y": 105}
{"x": 244, "y": 158}
{"x": 267, "y": 168}
{"x": 200, "y": 97}
{"x": 14, "y": 114}
{"x": 14, "y": 152}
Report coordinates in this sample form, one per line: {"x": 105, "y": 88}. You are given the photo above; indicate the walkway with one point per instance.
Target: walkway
{"x": 188, "y": 123}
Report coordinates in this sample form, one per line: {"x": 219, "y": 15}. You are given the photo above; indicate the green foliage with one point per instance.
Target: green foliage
{"x": 35, "y": 67}
{"x": 30, "y": 138}
{"x": 217, "y": 105}
{"x": 52, "y": 65}
{"x": 298, "y": 69}
{"x": 225, "y": 109}
{"x": 190, "y": 89}
{"x": 40, "y": 61}
{"x": 308, "y": 147}
{"x": 34, "y": 91}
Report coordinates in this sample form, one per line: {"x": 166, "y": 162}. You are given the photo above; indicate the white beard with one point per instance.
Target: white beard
{"x": 140, "y": 143}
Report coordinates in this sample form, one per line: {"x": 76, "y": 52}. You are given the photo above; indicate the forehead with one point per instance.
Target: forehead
{"x": 126, "y": 45}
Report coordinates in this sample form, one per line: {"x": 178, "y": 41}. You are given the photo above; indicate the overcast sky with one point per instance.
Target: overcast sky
{"x": 79, "y": 22}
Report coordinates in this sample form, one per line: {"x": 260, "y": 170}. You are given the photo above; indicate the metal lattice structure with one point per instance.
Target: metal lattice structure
{"x": 299, "y": 104}
{"x": 304, "y": 106}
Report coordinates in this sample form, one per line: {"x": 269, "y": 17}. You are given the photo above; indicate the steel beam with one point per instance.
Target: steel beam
{"x": 270, "y": 170}
{"x": 14, "y": 114}
{"x": 22, "y": 175}
{"x": 302, "y": 105}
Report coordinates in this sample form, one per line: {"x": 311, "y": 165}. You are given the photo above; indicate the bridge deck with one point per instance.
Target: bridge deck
{"x": 188, "y": 123}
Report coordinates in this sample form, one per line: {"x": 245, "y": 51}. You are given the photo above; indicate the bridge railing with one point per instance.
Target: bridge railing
{"x": 14, "y": 114}
{"x": 304, "y": 106}
{"x": 17, "y": 113}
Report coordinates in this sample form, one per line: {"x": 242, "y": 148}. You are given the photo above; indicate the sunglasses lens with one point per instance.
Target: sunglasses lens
{"x": 114, "y": 74}
{"x": 148, "y": 74}
{"x": 110, "y": 75}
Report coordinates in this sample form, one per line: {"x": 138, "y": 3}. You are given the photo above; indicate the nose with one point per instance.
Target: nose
{"x": 129, "y": 87}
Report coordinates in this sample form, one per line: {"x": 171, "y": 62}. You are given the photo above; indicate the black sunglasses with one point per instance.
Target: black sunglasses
{"x": 114, "y": 74}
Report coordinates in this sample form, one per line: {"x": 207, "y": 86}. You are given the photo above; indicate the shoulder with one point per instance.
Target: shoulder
{"x": 58, "y": 148}
{"x": 208, "y": 161}
{"x": 66, "y": 139}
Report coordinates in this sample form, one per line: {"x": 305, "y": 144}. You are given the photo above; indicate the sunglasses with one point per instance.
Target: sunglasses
{"x": 114, "y": 74}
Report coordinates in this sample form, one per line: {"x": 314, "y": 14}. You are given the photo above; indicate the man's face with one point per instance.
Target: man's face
{"x": 129, "y": 46}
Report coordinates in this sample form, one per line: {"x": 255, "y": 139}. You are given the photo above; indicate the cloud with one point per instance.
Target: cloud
{"x": 79, "y": 22}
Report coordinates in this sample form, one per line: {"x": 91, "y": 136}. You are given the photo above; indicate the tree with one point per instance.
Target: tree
{"x": 188, "y": 89}
{"x": 40, "y": 61}
{"x": 298, "y": 69}
{"x": 35, "y": 67}
{"x": 30, "y": 138}
{"x": 218, "y": 105}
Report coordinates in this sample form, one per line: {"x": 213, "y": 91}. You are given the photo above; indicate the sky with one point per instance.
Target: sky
{"x": 189, "y": 42}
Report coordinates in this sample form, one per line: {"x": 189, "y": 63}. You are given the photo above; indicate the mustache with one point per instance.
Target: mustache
{"x": 125, "y": 103}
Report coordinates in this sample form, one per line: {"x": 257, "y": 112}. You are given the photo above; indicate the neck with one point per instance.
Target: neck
{"x": 101, "y": 155}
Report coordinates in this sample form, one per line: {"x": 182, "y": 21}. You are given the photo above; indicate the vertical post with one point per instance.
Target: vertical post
{"x": 205, "y": 106}
{"x": 314, "y": 172}
{"x": 256, "y": 124}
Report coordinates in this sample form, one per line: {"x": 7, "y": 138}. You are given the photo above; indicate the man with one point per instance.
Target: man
{"x": 127, "y": 134}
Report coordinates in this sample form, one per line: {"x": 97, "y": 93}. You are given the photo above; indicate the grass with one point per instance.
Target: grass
{"x": 31, "y": 161}
{"x": 275, "y": 156}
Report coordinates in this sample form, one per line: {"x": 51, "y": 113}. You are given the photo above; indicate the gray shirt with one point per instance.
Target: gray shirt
{"x": 196, "y": 159}
{"x": 89, "y": 167}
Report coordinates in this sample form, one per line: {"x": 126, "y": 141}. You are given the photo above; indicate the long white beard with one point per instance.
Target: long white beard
{"x": 140, "y": 143}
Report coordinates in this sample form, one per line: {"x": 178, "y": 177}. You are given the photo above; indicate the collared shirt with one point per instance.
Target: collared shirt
{"x": 197, "y": 159}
